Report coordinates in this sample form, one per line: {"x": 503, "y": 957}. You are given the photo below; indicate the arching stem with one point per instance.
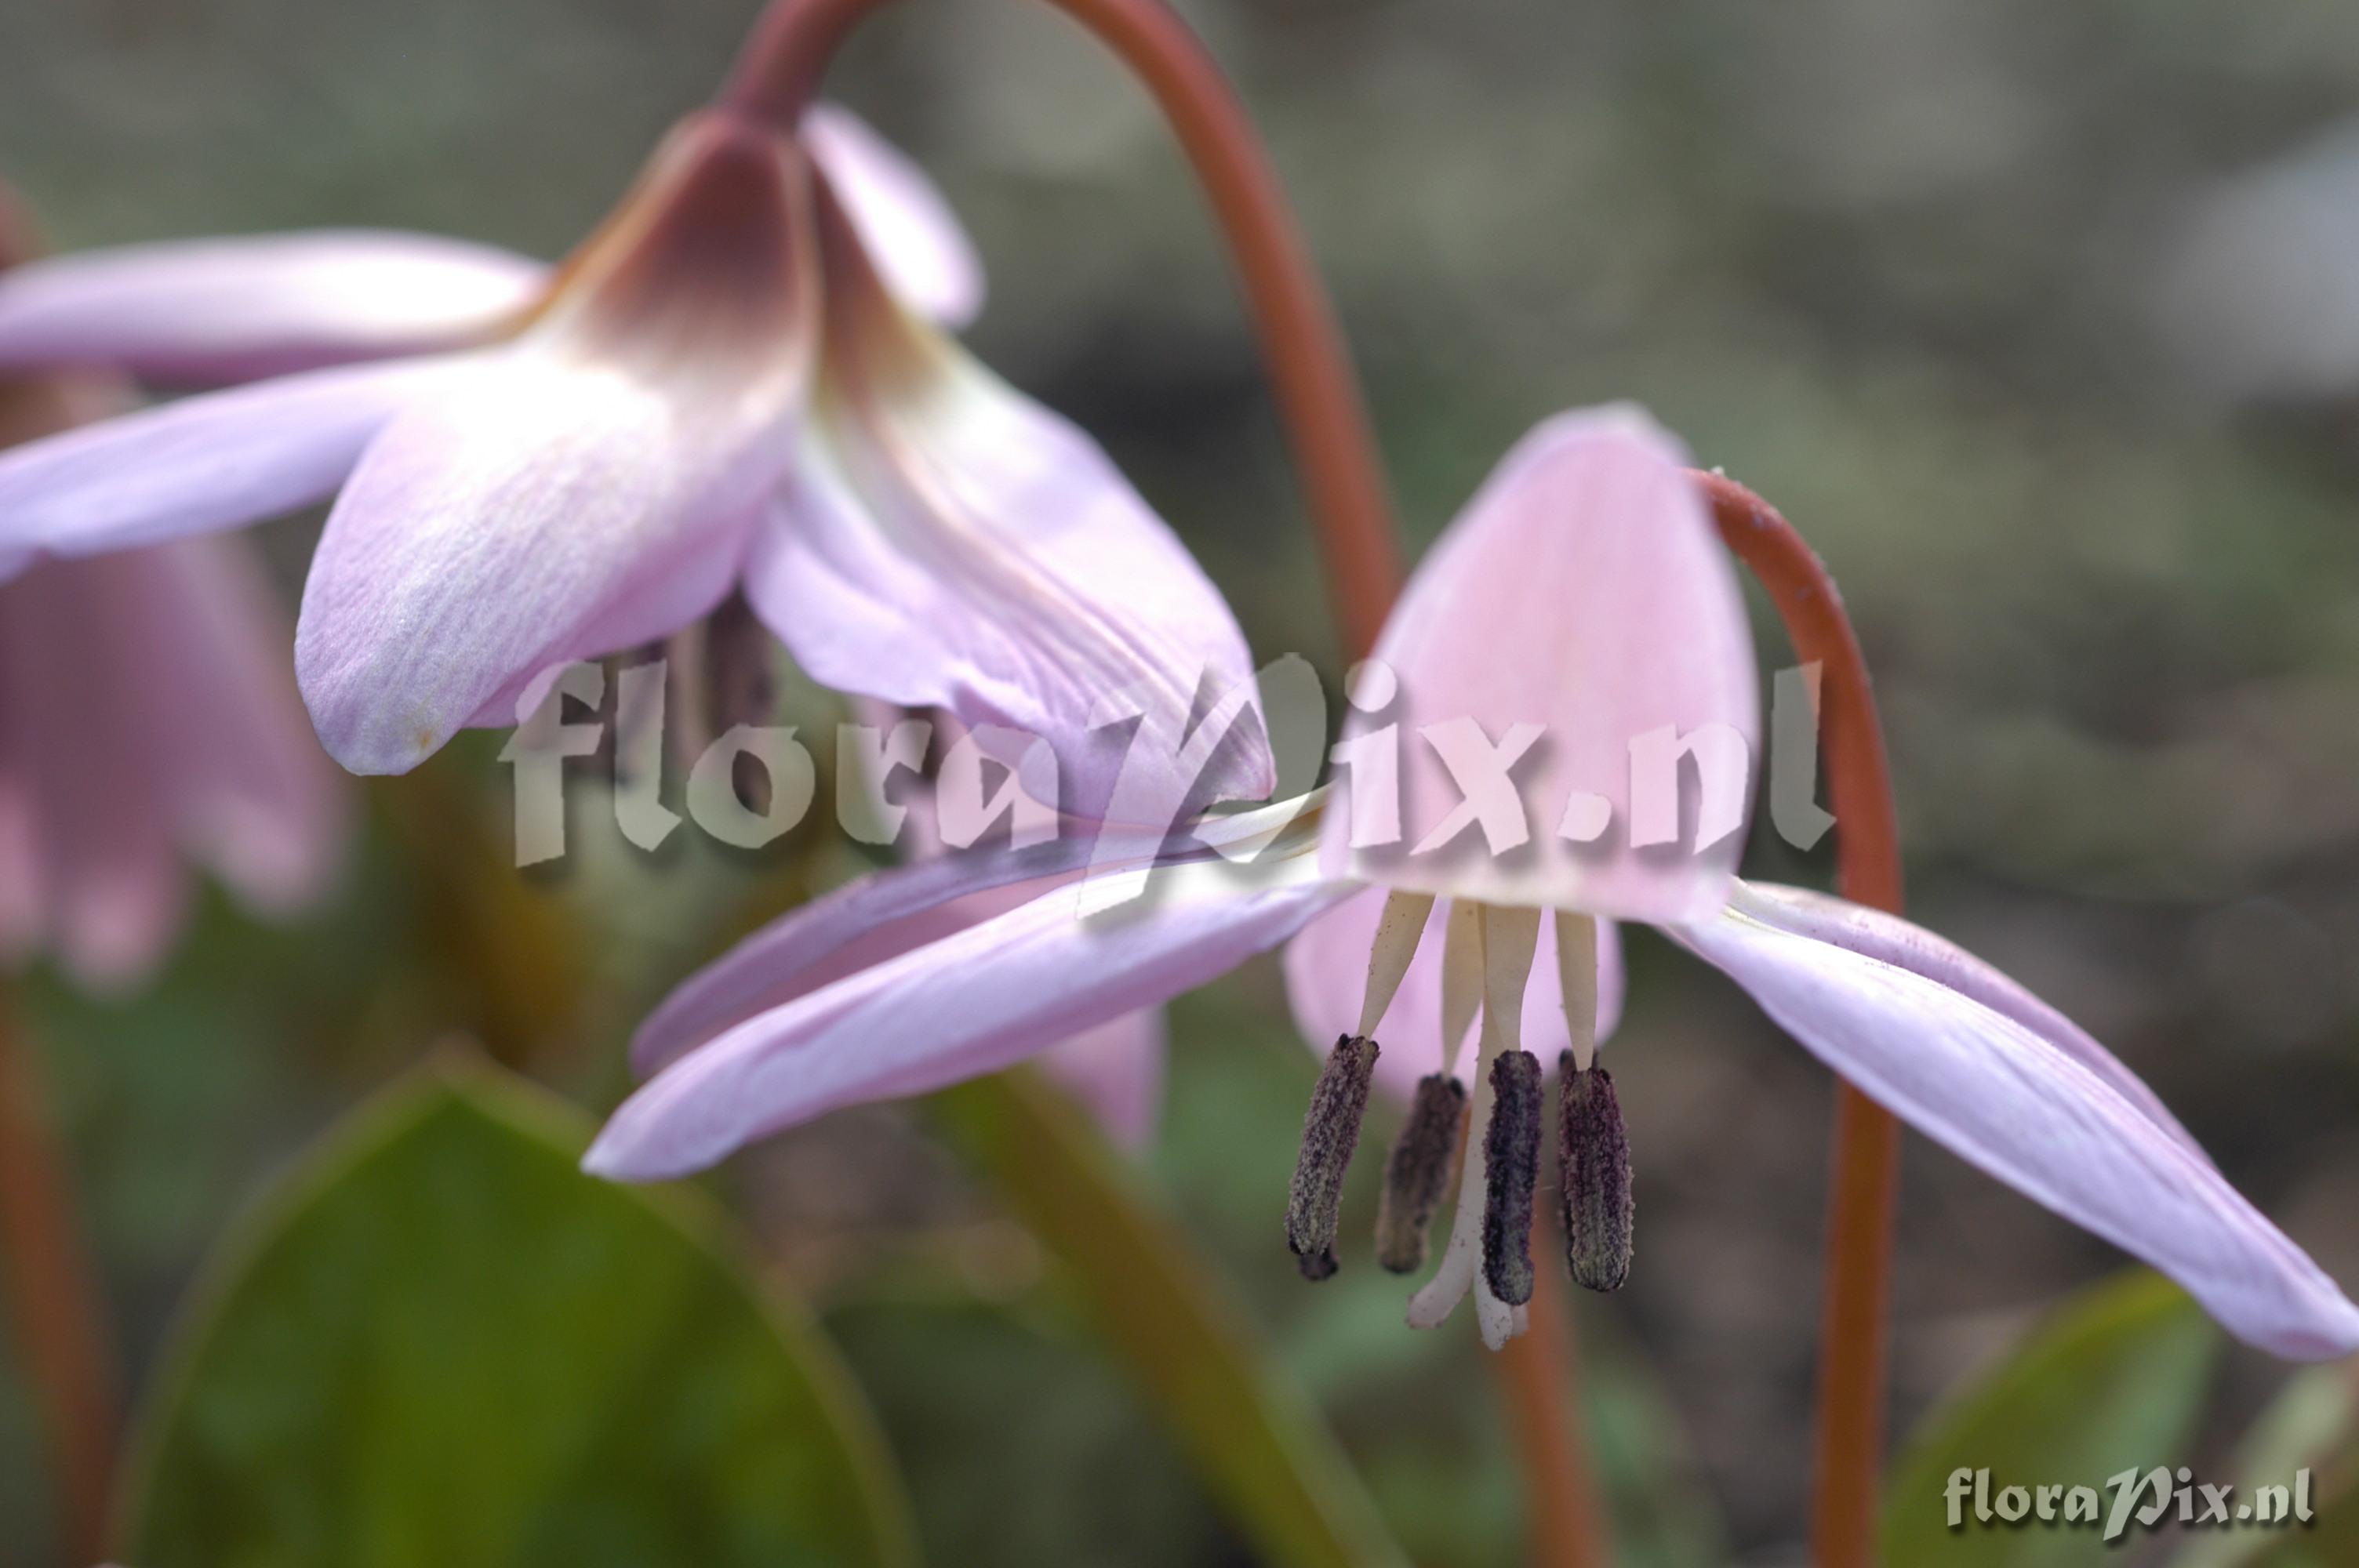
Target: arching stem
{"x": 1864, "y": 1187}
{"x": 1309, "y": 369}
{"x": 54, "y": 1304}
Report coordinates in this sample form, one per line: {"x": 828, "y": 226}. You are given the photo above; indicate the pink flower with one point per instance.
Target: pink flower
{"x": 1583, "y": 592}
{"x": 147, "y": 721}
{"x": 726, "y": 387}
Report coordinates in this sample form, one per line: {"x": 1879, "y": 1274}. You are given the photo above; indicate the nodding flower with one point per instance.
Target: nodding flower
{"x": 1581, "y": 594}
{"x": 147, "y": 723}
{"x": 738, "y": 384}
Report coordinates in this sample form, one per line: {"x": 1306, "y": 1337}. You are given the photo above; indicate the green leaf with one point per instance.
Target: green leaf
{"x": 2113, "y": 1380}
{"x": 1253, "y": 1434}
{"x": 2314, "y": 1416}
{"x": 439, "y": 1342}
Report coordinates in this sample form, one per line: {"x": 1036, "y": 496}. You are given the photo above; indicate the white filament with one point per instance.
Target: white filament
{"x": 1498, "y": 945}
{"x": 1576, "y": 968}
{"x": 1397, "y": 930}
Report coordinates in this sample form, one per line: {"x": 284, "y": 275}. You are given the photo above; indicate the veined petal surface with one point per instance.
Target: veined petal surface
{"x": 917, "y": 242}
{"x": 2000, "y": 1095}
{"x": 1583, "y": 610}
{"x": 944, "y": 542}
{"x": 971, "y": 1003}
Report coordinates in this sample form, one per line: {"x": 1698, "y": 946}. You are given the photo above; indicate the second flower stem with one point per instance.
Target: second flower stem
{"x": 1863, "y": 1186}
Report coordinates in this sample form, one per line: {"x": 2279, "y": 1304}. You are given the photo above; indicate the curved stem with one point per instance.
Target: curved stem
{"x": 1535, "y": 1377}
{"x": 1865, "y": 1185}
{"x": 1309, "y": 369}
{"x": 54, "y": 1303}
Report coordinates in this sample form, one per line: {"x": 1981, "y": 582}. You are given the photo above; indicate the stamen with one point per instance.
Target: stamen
{"x": 1397, "y": 930}
{"x": 1462, "y": 977}
{"x": 1576, "y": 970}
{"x": 1329, "y": 1132}
{"x": 1417, "y": 1173}
{"x": 1511, "y": 1165}
{"x": 739, "y": 687}
{"x": 1594, "y": 1171}
{"x": 1500, "y": 944}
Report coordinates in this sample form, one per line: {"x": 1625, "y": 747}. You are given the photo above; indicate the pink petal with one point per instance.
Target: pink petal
{"x": 591, "y": 487}
{"x": 1583, "y": 591}
{"x": 947, "y": 543}
{"x": 909, "y": 230}
{"x": 1115, "y": 1070}
{"x": 96, "y": 877}
{"x": 211, "y": 311}
{"x": 202, "y": 464}
{"x": 2001, "y": 1092}
{"x": 1326, "y": 976}
{"x": 969, "y": 1004}
{"x": 249, "y": 790}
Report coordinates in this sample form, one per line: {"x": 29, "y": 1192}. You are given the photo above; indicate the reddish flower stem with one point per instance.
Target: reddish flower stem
{"x": 1309, "y": 369}
{"x": 1864, "y": 1186}
{"x": 54, "y": 1304}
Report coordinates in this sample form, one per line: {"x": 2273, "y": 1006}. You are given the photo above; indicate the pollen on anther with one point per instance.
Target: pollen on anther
{"x": 1511, "y": 1159}
{"x": 1594, "y": 1173}
{"x": 1329, "y": 1132}
{"x": 1417, "y": 1173}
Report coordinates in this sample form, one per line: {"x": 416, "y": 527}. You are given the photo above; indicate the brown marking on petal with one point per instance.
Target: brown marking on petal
{"x": 707, "y": 266}
{"x": 1330, "y": 1130}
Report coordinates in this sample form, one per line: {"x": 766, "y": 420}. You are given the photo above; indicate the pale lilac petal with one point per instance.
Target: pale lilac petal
{"x": 2001, "y": 1096}
{"x": 911, "y": 234}
{"x": 587, "y": 489}
{"x": 216, "y": 310}
{"x": 508, "y": 526}
{"x": 202, "y": 464}
{"x": 969, "y": 1004}
{"x": 1892, "y": 940}
{"x": 1115, "y": 1069}
{"x": 946, "y": 543}
{"x": 856, "y": 926}
{"x": 249, "y": 791}
{"x": 1327, "y": 974}
{"x": 1584, "y": 597}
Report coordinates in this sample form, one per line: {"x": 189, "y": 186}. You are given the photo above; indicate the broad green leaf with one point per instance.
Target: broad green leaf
{"x": 439, "y": 1343}
{"x": 2113, "y": 1381}
{"x": 2314, "y": 1417}
{"x": 1252, "y": 1433}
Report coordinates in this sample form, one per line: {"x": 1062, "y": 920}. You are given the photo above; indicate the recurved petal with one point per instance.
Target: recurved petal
{"x": 946, "y": 542}
{"x": 969, "y": 1004}
{"x": 1327, "y": 976}
{"x": 1997, "y": 1091}
{"x": 202, "y": 464}
{"x": 216, "y": 310}
{"x": 856, "y": 926}
{"x": 910, "y": 232}
{"x": 1581, "y": 618}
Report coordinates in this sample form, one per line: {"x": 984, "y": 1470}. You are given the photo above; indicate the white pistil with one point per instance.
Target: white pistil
{"x": 1462, "y": 977}
{"x": 1494, "y": 949}
{"x": 1576, "y": 969}
{"x": 1397, "y": 930}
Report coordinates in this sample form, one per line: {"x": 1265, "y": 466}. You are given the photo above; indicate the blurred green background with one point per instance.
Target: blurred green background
{"x": 1944, "y": 279}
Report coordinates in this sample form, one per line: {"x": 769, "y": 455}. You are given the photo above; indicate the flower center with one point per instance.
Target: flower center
{"x": 1488, "y": 1138}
